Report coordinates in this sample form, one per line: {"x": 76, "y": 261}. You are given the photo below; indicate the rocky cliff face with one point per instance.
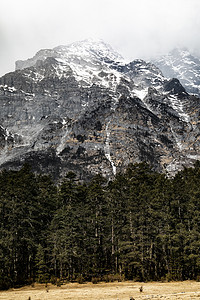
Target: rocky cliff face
{"x": 83, "y": 108}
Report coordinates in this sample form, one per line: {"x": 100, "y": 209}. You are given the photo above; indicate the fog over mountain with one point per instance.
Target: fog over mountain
{"x": 137, "y": 29}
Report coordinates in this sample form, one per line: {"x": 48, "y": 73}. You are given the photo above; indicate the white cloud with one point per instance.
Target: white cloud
{"x": 136, "y": 28}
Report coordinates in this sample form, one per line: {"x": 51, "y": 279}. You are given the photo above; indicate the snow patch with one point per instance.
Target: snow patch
{"x": 196, "y": 157}
{"x": 173, "y": 166}
{"x": 141, "y": 94}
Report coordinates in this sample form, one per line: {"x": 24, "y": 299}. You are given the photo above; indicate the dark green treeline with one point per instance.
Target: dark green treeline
{"x": 141, "y": 226}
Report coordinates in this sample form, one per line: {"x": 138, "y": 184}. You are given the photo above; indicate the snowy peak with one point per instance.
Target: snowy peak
{"x": 89, "y": 60}
{"x": 93, "y": 62}
{"x": 181, "y": 64}
{"x": 91, "y": 49}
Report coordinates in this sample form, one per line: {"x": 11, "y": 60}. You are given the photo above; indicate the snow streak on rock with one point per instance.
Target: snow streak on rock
{"x": 177, "y": 140}
{"x": 62, "y": 144}
{"x": 178, "y": 107}
{"x": 107, "y": 148}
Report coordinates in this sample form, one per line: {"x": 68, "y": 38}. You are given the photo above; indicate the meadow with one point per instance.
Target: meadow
{"x": 106, "y": 291}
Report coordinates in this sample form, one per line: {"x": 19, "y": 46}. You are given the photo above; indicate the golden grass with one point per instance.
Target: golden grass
{"x": 107, "y": 291}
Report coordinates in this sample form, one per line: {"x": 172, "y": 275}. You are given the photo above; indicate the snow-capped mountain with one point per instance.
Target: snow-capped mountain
{"x": 87, "y": 59}
{"x": 82, "y": 107}
{"x": 181, "y": 64}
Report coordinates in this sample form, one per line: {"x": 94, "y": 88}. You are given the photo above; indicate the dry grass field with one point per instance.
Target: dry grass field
{"x": 106, "y": 291}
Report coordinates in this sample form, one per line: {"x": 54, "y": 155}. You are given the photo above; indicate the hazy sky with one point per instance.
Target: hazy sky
{"x": 135, "y": 28}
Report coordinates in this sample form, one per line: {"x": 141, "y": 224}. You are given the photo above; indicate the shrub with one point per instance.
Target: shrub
{"x": 53, "y": 280}
{"x": 95, "y": 280}
{"x": 80, "y": 279}
{"x": 5, "y": 283}
{"x": 112, "y": 278}
{"x": 58, "y": 283}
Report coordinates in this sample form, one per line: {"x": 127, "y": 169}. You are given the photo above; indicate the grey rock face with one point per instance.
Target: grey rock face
{"x": 174, "y": 86}
{"x": 82, "y": 108}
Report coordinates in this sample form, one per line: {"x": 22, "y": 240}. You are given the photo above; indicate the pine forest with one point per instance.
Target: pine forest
{"x": 141, "y": 225}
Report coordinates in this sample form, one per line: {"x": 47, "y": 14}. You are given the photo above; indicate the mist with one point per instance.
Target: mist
{"x": 136, "y": 29}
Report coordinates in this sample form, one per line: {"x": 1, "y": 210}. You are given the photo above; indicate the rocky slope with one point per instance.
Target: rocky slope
{"x": 83, "y": 108}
